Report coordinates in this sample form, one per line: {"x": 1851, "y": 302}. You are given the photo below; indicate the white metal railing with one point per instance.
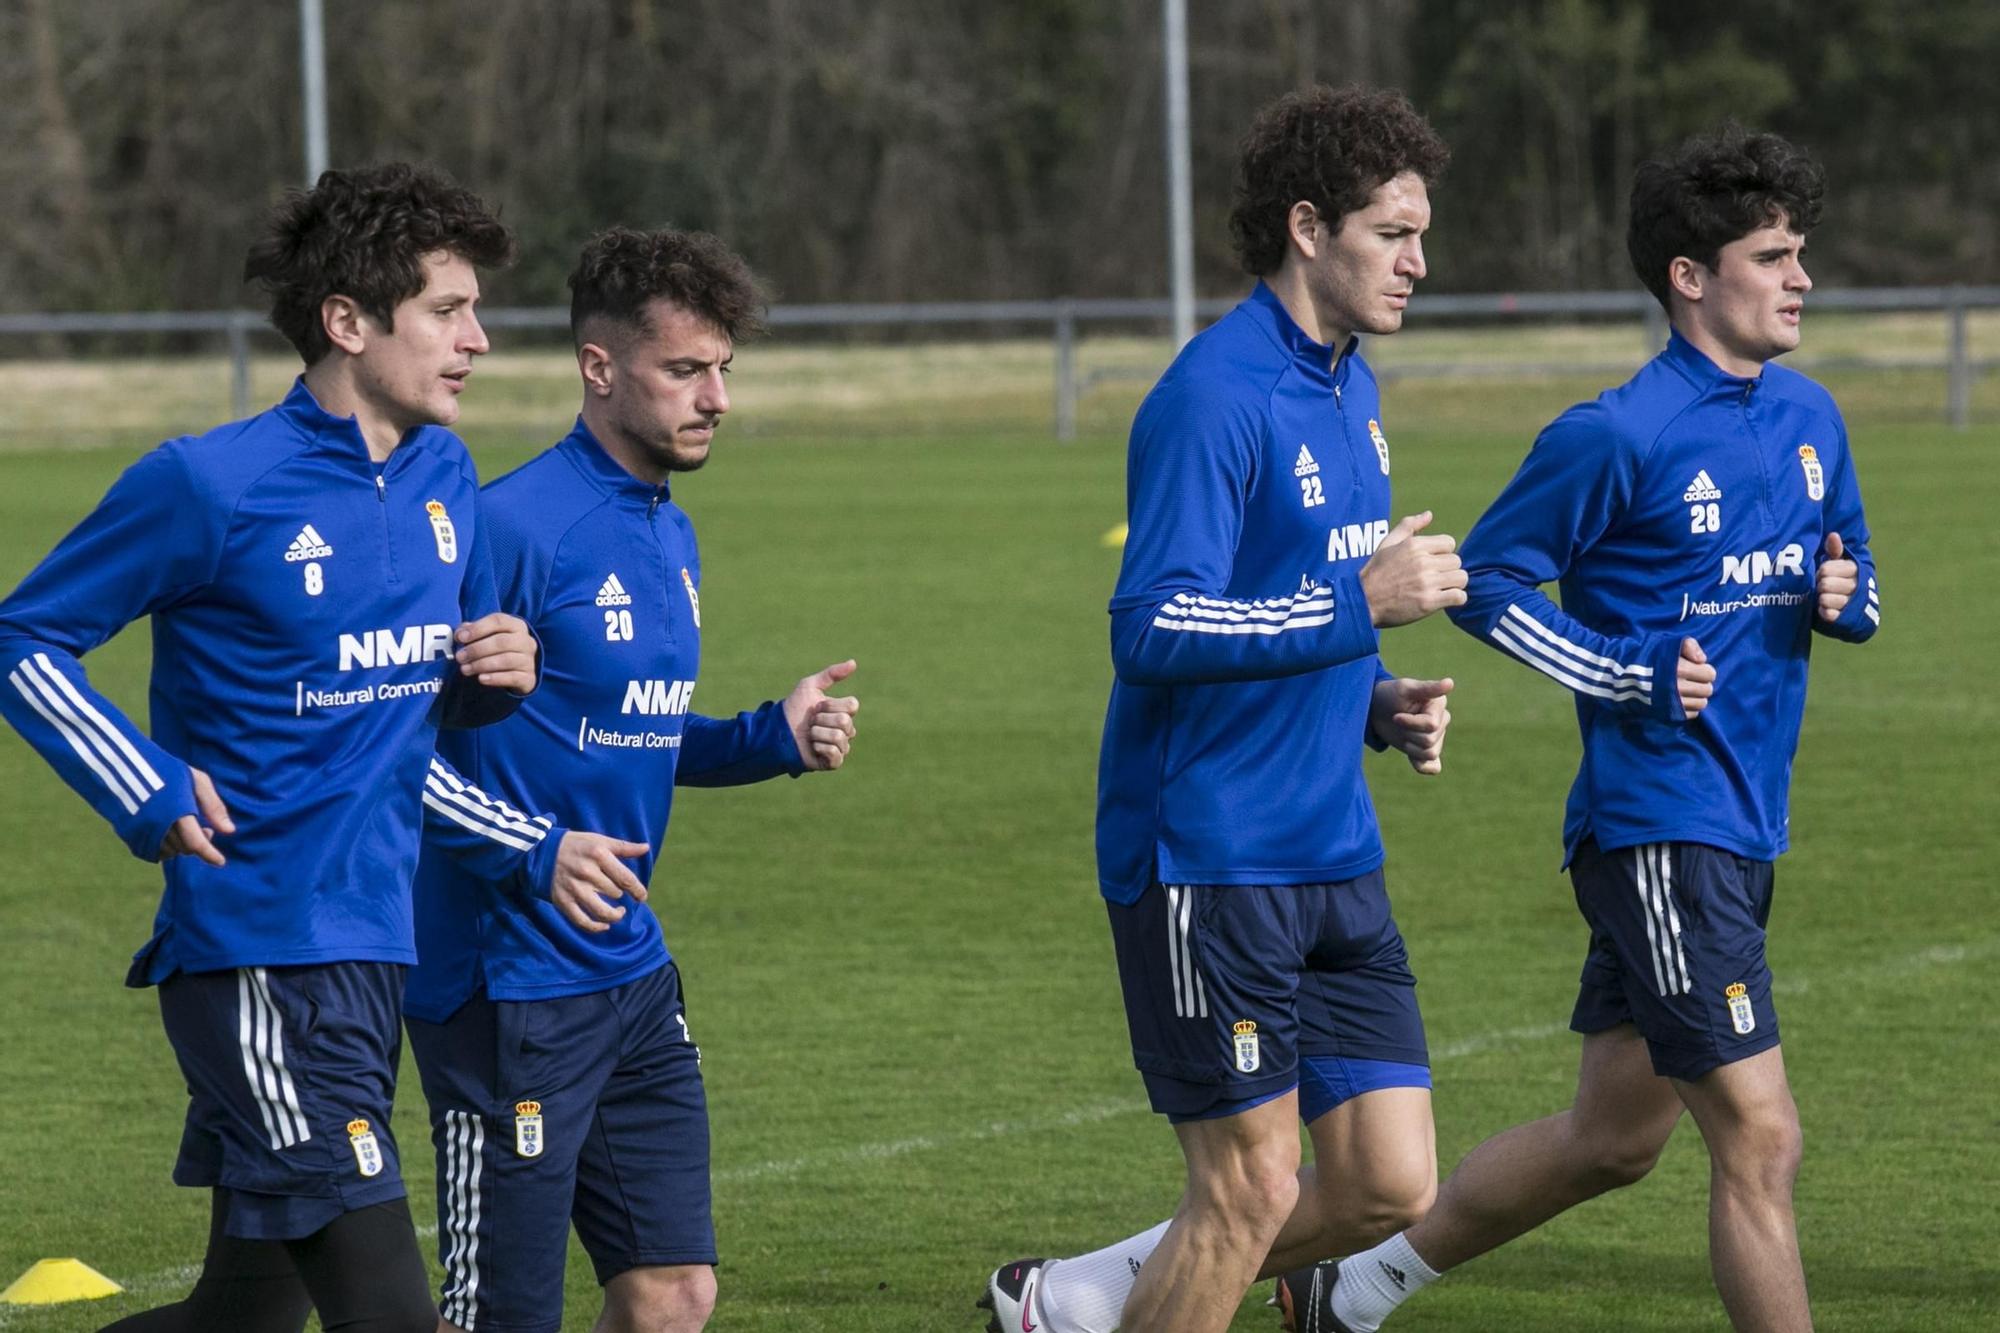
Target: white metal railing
{"x": 1064, "y": 318}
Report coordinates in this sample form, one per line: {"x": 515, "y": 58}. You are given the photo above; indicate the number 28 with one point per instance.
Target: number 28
{"x": 1705, "y": 518}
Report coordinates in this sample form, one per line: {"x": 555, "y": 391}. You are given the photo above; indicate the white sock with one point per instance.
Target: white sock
{"x": 1374, "y": 1282}
{"x": 1087, "y": 1294}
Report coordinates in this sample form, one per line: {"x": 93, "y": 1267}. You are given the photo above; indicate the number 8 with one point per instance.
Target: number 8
{"x": 315, "y": 580}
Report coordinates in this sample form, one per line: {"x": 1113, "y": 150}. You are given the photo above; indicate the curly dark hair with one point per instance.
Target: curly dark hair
{"x": 1714, "y": 189}
{"x": 623, "y": 269}
{"x": 364, "y": 234}
{"x": 1330, "y": 147}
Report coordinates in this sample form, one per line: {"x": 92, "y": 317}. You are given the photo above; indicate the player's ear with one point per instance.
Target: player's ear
{"x": 594, "y": 363}
{"x": 1302, "y": 225}
{"x": 342, "y": 320}
{"x": 1686, "y": 277}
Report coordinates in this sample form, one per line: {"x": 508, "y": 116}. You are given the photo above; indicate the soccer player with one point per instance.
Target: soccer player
{"x": 563, "y": 1082}
{"x": 311, "y": 574}
{"x": 1265, "y": 981}
{"x": 1704, "y": 522}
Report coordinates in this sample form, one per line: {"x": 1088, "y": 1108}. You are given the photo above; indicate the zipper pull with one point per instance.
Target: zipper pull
{"x": 381, "y": 489}
{"x": 653, "y": 507}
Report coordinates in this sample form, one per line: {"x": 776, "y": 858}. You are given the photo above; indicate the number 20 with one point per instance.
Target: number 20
{"x": 617, "y": 625}
{"x": 1705, "y": 518}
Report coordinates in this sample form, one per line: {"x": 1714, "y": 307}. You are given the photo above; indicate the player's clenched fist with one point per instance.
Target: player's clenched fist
{"x": 1411, "y": 575}
{"x": 589, "y": 874}
{"x": 1694, "y": 677}
{"x": 1837, "y": 579}
{"x": 498, "y": 651}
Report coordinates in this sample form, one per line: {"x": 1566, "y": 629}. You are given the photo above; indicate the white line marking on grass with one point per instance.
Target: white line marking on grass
{"x": 1923, "y": 960}
{"x": 878, "y": 1152}
{"x": 1504, "y": 1039}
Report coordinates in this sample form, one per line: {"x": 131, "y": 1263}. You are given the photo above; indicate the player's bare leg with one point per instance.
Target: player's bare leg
{"x": 1520, "y": 1178}
{"x": 1242, "y": 1185}
{"x": 658, "y": 1298}
{"x": 1374, "y": 1172}
{"x": 1751, "y": 1125}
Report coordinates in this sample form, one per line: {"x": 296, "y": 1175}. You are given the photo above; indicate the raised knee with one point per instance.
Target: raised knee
{"x": 1255, "y": 1193}
{"x": 1617, "y": 1162}
{"x": 1360, "y": 1213}
{"x": 1404, "y": 1204}
{"x": 677, "y": 1299}
{"x": 1764, "y": 1153}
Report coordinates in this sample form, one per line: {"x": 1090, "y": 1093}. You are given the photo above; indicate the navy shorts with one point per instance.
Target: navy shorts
{"x": 579, "y": 1108}
{"x": 291, "y": 1074}
{"x": 1229, "y": 987}
{"x": 1677, "y": 950}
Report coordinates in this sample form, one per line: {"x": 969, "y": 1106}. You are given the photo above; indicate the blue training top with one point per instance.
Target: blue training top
{"x": 1686, "y": 503}
{"x": 304, "y": 601}
{"x": 604, "y": 567}
{"x": 1257, "y": 486}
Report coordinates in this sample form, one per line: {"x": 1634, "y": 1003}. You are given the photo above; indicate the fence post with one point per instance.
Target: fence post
{"x": 1065, "y": 370}
{"x": 1655, "y": 328}
{"x": 239, "y": 367}
{"x": 1958, "y": 373}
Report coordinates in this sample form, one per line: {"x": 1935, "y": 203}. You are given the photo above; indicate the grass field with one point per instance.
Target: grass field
{"x": 900, "y": 974}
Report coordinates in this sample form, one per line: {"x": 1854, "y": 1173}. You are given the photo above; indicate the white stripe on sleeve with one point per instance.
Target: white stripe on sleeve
{"x": 131, "y": 752}
{"x": 77, "y": 741}
{"x": 481, "y": 826}
{"x": 1214, "y": 615}
{"x": 1552, "y": 667}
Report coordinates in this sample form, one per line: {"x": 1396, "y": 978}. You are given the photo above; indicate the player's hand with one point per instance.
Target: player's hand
{"x": 589, "y": 874}
{"x": 498, "y": 651}
{"x": 823, "y": 727}
{"x": 1695, "y": 679}
{"x": 1838, "y": 578}
{"x": 1410, "y": 715}
{"x": 193, "y": 835}
{"x": 1410, "y": 576}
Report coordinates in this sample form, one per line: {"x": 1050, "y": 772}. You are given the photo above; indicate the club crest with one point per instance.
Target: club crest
{"x": 447, "y": 536}
{"x": 1741, "y": 1016}
{"x": 1381, "y": 444}
{"x": 694, "y": 598}
{"x": 1815, "y": 474}
{"x": 1248, "y": 1058}
{"x": 528, "y": 1129}
{"x": 367, "y": 1152}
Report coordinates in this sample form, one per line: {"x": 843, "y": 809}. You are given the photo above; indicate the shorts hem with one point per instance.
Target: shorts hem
{"x": 1395, "y": 1055}
{"x": 252, "y": 1223}
{"x": 485, "y": 1323}
{"x": 1693, "y": 1065}
{"x": 1171, "y": 1096}
{"x": 652, "y": 1259}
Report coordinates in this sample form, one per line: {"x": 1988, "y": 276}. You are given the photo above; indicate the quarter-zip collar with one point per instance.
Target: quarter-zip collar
{"x": 603, "y": 471}
{"x": 1318, "y": 361}
{"x": 1695, "y": 366}
{"x": 341, "y": 436}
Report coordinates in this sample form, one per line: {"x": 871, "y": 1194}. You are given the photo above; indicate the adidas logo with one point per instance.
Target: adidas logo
{"x": 613, "y": 593}
{"x": 308, "y": 545}
{"x": 1394, "y": 1274}
{"x": 1702, "y": 488}
{"x": 1305, "y": 467}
